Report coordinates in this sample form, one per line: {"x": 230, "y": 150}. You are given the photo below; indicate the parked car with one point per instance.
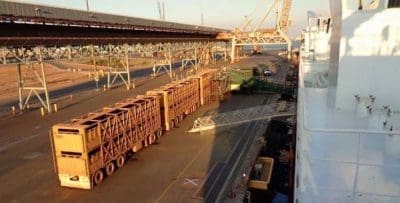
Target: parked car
{"x": 267, "y": 72}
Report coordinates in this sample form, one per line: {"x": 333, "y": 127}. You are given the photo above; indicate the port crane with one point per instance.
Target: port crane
{"x": 259, "y": 37}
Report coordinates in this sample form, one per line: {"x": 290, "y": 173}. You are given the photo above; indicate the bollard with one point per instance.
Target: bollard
{"x": 13, "y": 110}
{"x": 55, "y": 107}
{"x": 70, "y": 97}
{"x": 28, "y": 106}
{"x": 42, "y": 111}
{"x": 133, "y": 86}
{"x": 104, "y": 88}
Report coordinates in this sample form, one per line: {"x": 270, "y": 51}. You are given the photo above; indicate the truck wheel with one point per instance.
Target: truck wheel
{"x": 110, "y": 168}
{"x": 152, "y": 139}
{"x": 158, "y": 134}
{"x": 120, "y": 161}
{"x": 176, "y": 121}
{"x": 98, "y": 177}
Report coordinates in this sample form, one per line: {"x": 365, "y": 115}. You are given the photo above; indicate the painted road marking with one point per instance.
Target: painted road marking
{"x": 192, "y": 181}
{"x": 32, "y": 155}
{"x": 182, "y": 172}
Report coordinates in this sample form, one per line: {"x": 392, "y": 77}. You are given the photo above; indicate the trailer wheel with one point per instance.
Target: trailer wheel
{"x": 176, "y": 121}
{"x": 158, "y": 134}
{"x": 120, "y": 161}
{"x": 110, "y": 168}
{"x": 98, "y": 177}
{"x": 152, "y": 139}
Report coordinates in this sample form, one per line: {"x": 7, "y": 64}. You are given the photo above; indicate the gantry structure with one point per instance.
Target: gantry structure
{"x": 32, "y": 34}
{"x": 258, "y": 37}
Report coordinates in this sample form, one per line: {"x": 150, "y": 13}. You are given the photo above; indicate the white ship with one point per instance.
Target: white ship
{"x": 348, "y": 144}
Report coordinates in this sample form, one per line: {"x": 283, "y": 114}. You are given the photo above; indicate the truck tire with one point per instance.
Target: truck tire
{"x": 120, "y": 161}
{"x": 158, "y": 134}
{"x": 152, "y": 139}
{"x": 176, "y": 121}
{"x": 98, "y": 177}
{"x": 110, "y": 168}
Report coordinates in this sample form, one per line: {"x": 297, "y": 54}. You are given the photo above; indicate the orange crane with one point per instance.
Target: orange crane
{"x": 259, "y": 37}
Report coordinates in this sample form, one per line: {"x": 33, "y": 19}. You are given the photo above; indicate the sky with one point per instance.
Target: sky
{"x": 227, "y": 14}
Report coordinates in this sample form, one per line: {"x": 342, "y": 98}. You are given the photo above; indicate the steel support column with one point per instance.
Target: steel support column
{"x": 164, "y": 56}
{"x": 41, "y": 78}
{"x": 20, "y": 87}
{"x": 233, "y": 50}
{"x": 44, "y": 83}
{"x": 189, "y": 58}
{"x": 128, "y": 75}
{"x": 162, "y": 60}
{"x": 121, "y": 73}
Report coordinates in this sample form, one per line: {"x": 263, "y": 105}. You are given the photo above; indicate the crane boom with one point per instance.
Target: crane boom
{"x": 247, "y": 24}
{"x": 266, "y": 15}
{"x": 284, "y": 17}
{"x": 260, "y": 37}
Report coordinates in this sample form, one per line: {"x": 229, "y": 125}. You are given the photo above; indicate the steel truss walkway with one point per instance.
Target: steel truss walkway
{"x": 261, "y": 112}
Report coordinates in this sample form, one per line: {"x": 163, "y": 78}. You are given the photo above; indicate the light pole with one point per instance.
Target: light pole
{"x": 87, "y": 5}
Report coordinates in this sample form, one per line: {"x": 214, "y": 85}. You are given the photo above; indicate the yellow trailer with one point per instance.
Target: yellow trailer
{"x": 88, "y": 148}
{"x": 177, "y": 99}
{"x": 220, "y": 87}
{"x": 205, "y": 79}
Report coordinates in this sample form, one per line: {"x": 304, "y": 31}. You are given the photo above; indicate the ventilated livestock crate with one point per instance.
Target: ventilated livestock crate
{"x": 85, "y": 148}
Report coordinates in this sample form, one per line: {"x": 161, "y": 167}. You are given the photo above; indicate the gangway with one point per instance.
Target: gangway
{"x": 262, "y": 112}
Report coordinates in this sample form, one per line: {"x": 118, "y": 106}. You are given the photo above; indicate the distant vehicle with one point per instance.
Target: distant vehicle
{"x": 267, "y": 72}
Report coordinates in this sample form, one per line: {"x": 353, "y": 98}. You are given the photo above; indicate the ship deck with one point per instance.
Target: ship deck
{"x": 343, "y": 156}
